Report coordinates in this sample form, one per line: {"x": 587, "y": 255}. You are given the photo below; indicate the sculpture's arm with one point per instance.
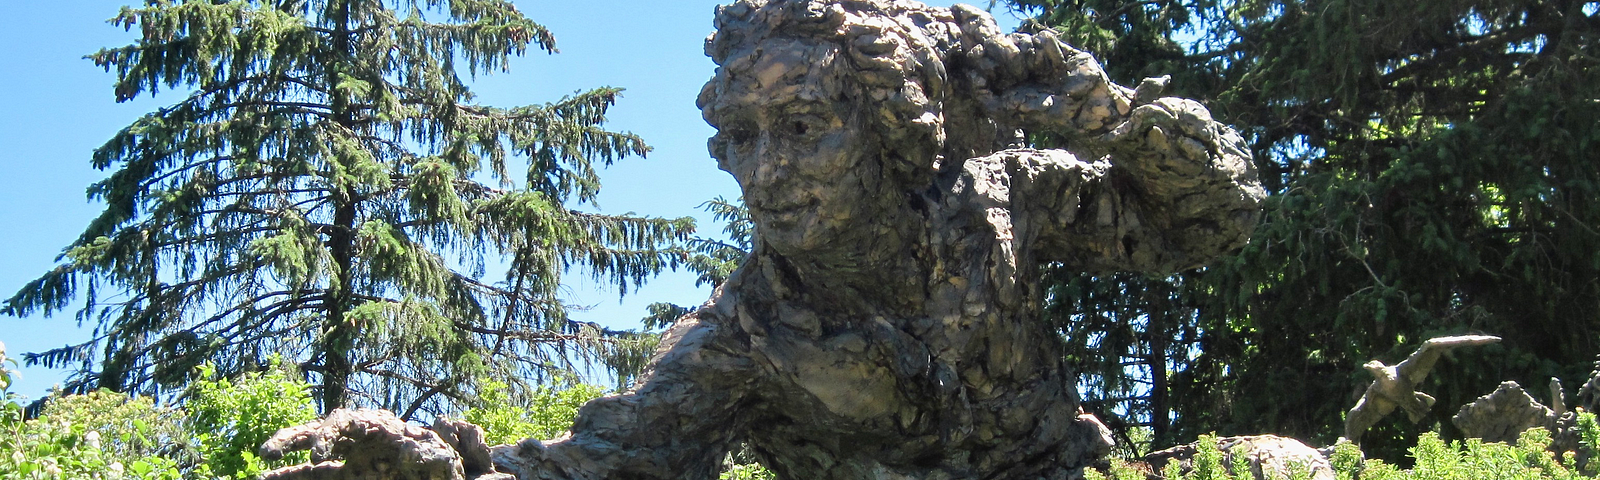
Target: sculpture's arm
{"x": 1164, "y": 188}
{"x": 676, "y": 423}
{"x": 1180, "y": 191}
{"x": 1172, "y": 189}
{"x": 1037, "y": 83}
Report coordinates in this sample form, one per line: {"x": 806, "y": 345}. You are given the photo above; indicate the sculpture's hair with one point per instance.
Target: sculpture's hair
{"x": 894, "y": 51}
{"x": 917, "y": 64}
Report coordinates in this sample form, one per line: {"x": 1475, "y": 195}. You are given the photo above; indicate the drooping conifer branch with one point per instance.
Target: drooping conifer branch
{"x": 318, "y": 193}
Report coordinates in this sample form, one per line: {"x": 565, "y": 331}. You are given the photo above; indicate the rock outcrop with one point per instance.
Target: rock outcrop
{"x": 1503, "y": 415}
{"x": 1268, "y": 456}
{"x": 369, "y": 444}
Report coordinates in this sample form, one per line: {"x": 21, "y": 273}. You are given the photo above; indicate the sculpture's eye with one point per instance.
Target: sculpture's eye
{"x": 739, "y": 134}
{"x": 804, "y": 126}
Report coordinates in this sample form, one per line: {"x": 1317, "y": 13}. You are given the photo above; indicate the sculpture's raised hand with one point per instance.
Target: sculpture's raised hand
{"x": 1167, "y": 189}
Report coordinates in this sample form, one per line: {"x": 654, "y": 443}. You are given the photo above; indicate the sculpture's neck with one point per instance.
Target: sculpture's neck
{"x": 920, "y": 279}
{"x": 886, "y": 284}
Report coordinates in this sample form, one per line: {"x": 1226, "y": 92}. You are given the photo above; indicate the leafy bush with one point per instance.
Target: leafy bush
{"x": 746, "y": 471}
{"x": 145, "y": 440}
{"x": 232, "y": 419}
{"x": 543, "y": 414}
{"x": 10, "y": 411}
{"x": 109, "y": 436}
{"x": 98, "y": 436}
{"x": 1529, "y": 459}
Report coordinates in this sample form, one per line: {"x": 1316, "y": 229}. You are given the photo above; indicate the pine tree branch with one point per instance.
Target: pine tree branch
{"x": 537, "y": 336}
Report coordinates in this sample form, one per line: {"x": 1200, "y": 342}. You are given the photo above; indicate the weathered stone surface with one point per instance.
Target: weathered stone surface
{"x": 1502, "y": 416}
{"x": 1269, "y": 457}
{"x": 886, "y": 325}
{"x": 467, "y": 440}
{"x": 1589, "y": 393}
{"x": 1508, "y": 412}
{"x": 364, "y": 444}
{"x": 1396, "y": 386}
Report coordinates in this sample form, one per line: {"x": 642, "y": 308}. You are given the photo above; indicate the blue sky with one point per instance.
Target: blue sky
{"x": 55, "y": 107}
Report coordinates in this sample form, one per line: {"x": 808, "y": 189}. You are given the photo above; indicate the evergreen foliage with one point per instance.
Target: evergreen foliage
{"x": 328, "y": 191}
{"x": 1432, "y": 171}
{"x": 713, "y": 259}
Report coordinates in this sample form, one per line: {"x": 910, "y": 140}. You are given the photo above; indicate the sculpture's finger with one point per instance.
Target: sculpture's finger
{"x": 291, "y": 439}
{"x": 374, "y": 444}
{"x": 305, "y": 471}
{"x": 468, "y": 441}
{"x": 1150, "y": 89}
{"x": 1165, "y": 138}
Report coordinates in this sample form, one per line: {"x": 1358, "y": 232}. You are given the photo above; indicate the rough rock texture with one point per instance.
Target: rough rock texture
{"x": 886, "y": 325}
{"x": 1502, "y": 416}
{"x": 364, "y": 444}
{"x": 1269, "y": 456}
{"x": 1589, "y": 393}
{"x": 467, "y": 439}
{"x": 1396, "y": 386}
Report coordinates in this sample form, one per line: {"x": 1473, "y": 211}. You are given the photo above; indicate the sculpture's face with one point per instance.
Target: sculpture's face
{"x": 784, "y": 133}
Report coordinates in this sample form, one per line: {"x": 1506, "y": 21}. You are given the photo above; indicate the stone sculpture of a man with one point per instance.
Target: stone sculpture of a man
{"x": 887, "y": 323}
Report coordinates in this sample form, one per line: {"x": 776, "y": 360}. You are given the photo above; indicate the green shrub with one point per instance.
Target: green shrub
{"x": 232, "y": 419}
{"x": 545, "y": 413}
{"x": 130, "y": 427}
{"x": 1346, "y": 461}
{"x": 746, "y": 471}
{"x": 1529, "y": 459}
{"x": 99, "y": 436}
{"x": 10, "y": 411}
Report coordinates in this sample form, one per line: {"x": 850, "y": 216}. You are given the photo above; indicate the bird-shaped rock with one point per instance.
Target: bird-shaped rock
{"x": 1396, "y": 385}
{"x": 1150, "y": 89}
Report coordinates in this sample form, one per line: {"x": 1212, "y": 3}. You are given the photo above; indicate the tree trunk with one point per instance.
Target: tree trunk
{"x": 338, "y": 337}
{"x": 1160, "y": 336}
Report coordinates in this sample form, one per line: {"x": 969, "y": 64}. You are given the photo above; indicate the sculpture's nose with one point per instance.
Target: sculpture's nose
{"x": 771, "y": 163}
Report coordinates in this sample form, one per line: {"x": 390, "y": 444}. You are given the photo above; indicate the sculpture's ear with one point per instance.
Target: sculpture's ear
{"x": 903, "y": 73}
{"x": 1035, "y": 81}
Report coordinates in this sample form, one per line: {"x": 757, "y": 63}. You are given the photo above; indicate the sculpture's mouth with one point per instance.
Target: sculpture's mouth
{"x": 785, "y": 209}
{"x": 788, "y": 219}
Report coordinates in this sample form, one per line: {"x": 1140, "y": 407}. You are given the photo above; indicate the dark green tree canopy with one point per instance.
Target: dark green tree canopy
{"x": 1433, "y": 171}
{"x": 328, "y": 191}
